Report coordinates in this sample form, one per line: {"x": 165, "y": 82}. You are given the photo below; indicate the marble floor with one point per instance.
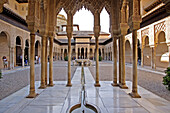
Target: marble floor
{"x": 59, "y": 98}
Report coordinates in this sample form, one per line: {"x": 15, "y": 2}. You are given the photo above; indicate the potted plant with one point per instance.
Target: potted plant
{"x": 166, "y": 79}
{"x": 100, "y": 58}
{"x": 66, "y": 58}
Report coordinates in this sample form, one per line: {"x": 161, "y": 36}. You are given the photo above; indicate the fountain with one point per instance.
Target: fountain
{"x": 83, "y": 106}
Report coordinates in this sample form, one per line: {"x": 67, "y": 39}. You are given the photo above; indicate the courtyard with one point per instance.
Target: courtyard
{"x": 59, "y": 98}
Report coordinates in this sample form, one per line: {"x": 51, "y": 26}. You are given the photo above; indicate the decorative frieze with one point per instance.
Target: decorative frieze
{"x": 145, "y": 32}
{"x": 160, "y": 27}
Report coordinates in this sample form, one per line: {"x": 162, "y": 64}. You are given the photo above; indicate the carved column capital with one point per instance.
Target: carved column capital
{"x": 124, "y": 27}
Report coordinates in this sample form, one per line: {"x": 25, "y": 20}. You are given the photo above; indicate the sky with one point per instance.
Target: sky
{"x": 85, "y": 20}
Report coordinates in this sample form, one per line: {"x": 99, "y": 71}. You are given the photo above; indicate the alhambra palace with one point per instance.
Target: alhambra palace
{"x": 48, "y": 64}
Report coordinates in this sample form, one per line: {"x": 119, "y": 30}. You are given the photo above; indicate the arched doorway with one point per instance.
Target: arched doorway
{"x": 65, "y": 53}
{"x": 139, "y": 51}
{"x": 128, "y": 53}
{"x": 103, "y": 55}
{"x": 26, "y": 53}
{"x": 86, "y": 54}
{"x": 110, "y": 53}
{"x": 18, "y": 52}
{"x": 146, "y": 52}
{"x": 162, "y": 55}
{"x": 100, "y": 52}
{"x": 37, "y": 48}
{"x": 73, "y": 54}
{"x": 82, "y": 53}
{"x": 4, "y": 50}
{"x": 91, "y": 54}
{"x": 78, "y": 53}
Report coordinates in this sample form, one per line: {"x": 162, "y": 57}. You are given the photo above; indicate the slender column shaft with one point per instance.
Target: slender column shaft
{"x": 69, "y": 62}
{"x": 97, "y": 61}
{"x": 123, "y": 78}
{"x": 43, "y": 62}
{"x": 11, "y": 58}
{"x": 32, "y": 93}
{"x": 23, "y": 57}
{"x": 51, "y": 62}
{"x": 135, "y": 81}
{"x": 114, "y": 62}
{"x": 63, "y": 55}
{"x": 46, "y": 60}
{"x": 153, "y": 58}
{"x": 142, "y": 57}
{"x": 96, "y": 35}
{"x": 120, "y": 60}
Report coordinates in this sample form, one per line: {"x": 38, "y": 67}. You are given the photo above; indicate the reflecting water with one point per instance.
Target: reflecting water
{"x": 83, "y": 107}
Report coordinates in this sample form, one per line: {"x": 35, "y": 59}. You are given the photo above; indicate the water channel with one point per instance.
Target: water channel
{"x": 83, "y": 106}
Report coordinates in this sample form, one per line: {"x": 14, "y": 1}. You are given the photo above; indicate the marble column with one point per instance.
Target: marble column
{"x": 46, "y": 60}
{"x": 153, "y": 58}
{"x": 93, "y": 53}
{"x": 51, "y": 62}
{"x": 120, "y": 61}
{"x": 84, "y": 53}
{"x": 96, "y": 35}
{"x": 124, "y": 27}
{"x": 76, "y": 50}
{"x": 134, "y": 92}
{"x": 32, "y": 93}
{"x": 134, "y": 23}
{"x": 11, "y": 58}
{"x": 63, "y": 54}
{"x": 114, "y": 61}
{"x": 43, "y": 41}
{"x": 142, "y": 56}
{"x": 23, "y": 50}
{"x": 69, "y": 30}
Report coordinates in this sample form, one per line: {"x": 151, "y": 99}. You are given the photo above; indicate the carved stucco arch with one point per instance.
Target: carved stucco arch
{"x": 75, "y": 5}
{"x": 8, "y": 38}
{"x": 143, "y": 40}
{"x": 156, "y": 37}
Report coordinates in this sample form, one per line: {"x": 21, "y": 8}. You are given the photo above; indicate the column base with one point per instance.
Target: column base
{"x": 32, "y": 95}
{"x": 123, "y": 86}
{"x": 97, "y": 85}
{"x": 114, "y": 84}
{"x": 51, "y": 85}
{"x": 134, "y": 95}
{"x": 68, "y": 85}
{"x": 42, "y": 87}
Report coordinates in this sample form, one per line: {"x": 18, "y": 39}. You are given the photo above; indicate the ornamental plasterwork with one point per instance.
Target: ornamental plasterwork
{"x": 145, "y": 32}
{"x": 160, "y": 27}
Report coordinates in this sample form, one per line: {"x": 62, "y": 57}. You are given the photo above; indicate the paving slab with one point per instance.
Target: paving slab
{"x": 59, "y": 98}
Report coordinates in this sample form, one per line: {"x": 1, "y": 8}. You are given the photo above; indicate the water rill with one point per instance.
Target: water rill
{"x": 83, "y": 106}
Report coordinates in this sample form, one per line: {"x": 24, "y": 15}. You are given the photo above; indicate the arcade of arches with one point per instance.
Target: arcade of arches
{"x": 129, "y": 42}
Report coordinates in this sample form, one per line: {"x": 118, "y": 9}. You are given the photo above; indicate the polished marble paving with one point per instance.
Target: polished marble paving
{"x": 59, "y": 98}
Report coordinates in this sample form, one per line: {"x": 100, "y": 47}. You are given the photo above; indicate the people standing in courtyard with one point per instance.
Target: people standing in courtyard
{"x": 26, "y": 60}
{"x": 5, "y": 62}
{"x": 20, "y": 59}
{"x": 38, "y": 60}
